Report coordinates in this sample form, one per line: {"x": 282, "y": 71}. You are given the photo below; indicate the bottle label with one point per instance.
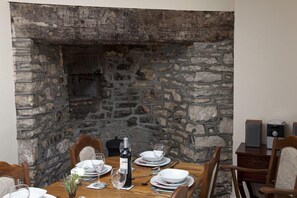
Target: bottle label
{"x": 124, "y": 163}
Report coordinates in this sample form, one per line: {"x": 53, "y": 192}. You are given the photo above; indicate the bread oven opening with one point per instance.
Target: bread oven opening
{"x": 83, "y": 67}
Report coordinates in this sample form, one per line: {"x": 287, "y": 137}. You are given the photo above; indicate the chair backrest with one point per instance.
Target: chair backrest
{"x": 210, "y": 175}
{"x": 6, "y": 184}
{"x": 84, "y": 148}
{"x": 180, "y": 192}
{"x": 283, "y": 163}
{"x": 15, "y": 171}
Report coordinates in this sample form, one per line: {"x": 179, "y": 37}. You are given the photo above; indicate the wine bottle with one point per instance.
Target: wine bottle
{"x": 125, "y": 162}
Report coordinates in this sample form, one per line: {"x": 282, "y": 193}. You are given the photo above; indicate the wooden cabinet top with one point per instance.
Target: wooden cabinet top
{"x": 253, "y": 151}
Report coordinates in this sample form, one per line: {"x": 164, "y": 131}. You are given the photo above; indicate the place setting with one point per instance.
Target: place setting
{"x": 89, "y": 170}
{"x": 169, "y": 179}
{"x": 154, "y": 158}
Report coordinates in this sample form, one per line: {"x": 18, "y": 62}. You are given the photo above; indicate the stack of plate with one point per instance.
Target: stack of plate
{"x": 147, "y": 159}
{"x": 89, "y": 170}
{"x": 170, "y": 179}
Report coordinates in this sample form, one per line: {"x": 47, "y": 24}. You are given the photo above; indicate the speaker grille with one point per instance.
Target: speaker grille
{"x": 253, "y": 129}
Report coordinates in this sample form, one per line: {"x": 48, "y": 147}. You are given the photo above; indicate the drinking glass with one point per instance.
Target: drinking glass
{"x": 19, "y": 191}
{"x": 98, "y": 161}
{"x": 159, "y": 154}
{"x": 118, "y": 177}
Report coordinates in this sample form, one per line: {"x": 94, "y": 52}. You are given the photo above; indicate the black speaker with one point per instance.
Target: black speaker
{"x": 253, "y": 129}
{"x": 294, "y": 131}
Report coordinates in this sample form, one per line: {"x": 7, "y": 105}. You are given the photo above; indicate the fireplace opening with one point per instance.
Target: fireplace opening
{"x": 120, "y": 72}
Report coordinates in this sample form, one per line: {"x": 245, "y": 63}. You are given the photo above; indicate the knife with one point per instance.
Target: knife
{"x": 172, "y": 165}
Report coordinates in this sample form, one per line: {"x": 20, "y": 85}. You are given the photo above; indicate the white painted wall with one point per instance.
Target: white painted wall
{"x": 8, "y": 143}
{"x": 265, "y": 63}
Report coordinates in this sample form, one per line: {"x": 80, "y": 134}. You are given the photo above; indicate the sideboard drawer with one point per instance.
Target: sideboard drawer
{"x": 256, "y": 162}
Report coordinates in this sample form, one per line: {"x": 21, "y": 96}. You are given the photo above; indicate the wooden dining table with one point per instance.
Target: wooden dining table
{"x": 140, "y": 175}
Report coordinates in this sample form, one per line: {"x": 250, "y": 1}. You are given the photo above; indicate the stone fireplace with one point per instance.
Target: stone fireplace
{"x": 151, "y": 75}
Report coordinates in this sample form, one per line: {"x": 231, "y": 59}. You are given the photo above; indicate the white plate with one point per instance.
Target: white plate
{"x": 34, "y": 193}
{"x": 141, "y": 162}
{"x": 164, "y": 183}
{"x": 49, "y": 196}
{"x": 105, "y": 170}
{"x": 155, "y": 182}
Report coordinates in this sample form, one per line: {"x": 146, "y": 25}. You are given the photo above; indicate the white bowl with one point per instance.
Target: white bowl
{"x": 149, "y": 156}
{"x": 37, "y": 192}
{"x": 171, "y": 175}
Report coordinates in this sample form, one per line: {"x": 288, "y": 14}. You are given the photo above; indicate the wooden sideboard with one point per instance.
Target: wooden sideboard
{"x": 251, "y": 157}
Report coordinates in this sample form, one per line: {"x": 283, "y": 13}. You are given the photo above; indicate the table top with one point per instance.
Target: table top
{"x": 138, "y": 190}
{"x": 253, "y": 151}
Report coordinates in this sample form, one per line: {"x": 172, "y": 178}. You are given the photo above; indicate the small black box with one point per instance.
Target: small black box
{"x": 253, "y": 129}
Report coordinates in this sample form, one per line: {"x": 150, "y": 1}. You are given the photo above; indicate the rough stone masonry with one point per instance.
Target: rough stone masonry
{"x": 155, "y": 76}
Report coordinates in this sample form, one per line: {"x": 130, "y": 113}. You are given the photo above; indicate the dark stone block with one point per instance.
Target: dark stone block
{"x": 122, "y": 113}
{"x": 146, "y": 119}
{"x": 140, "y": 75}
{"x": 124, "y": 67}
{"x": 139, "y": 111}
{"x": 120, "y": 77}
{"x": 126, "y": 105}
{"x": 132, "y": 122}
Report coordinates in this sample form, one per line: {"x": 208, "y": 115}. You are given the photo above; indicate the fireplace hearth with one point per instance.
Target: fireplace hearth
{"x": 152, "y": 75}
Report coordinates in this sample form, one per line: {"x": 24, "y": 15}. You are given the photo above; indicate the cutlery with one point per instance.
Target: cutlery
{"x": 145, "y": 182}
{"x": 172, "y": 165}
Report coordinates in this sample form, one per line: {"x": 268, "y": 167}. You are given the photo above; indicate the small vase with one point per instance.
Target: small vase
{"x": 71, "y": 195}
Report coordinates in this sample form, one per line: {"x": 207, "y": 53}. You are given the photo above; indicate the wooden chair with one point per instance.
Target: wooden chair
{"x": 208, "y": 181}
{"x": 281, "y": 178}
{"x": 84, "y": 149}
{"x": 209, "y": 178}
{"x": 180, "y": 192}
{"x": 15, "y": 171}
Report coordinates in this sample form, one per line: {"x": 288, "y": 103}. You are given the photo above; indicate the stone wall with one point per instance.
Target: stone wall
{"x": 174, "y": 86}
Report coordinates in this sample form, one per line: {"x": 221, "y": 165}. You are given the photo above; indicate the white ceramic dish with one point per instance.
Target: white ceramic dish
{"x": 172, "y": 175}
{"x": 34, "y": 193}
{"x": 139, "y": 161}
{"x": 105, "y": 170}
{"x": 149, "y": 156}
{"x": 155, "y": 181}
{"x": 164, "y": 183}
